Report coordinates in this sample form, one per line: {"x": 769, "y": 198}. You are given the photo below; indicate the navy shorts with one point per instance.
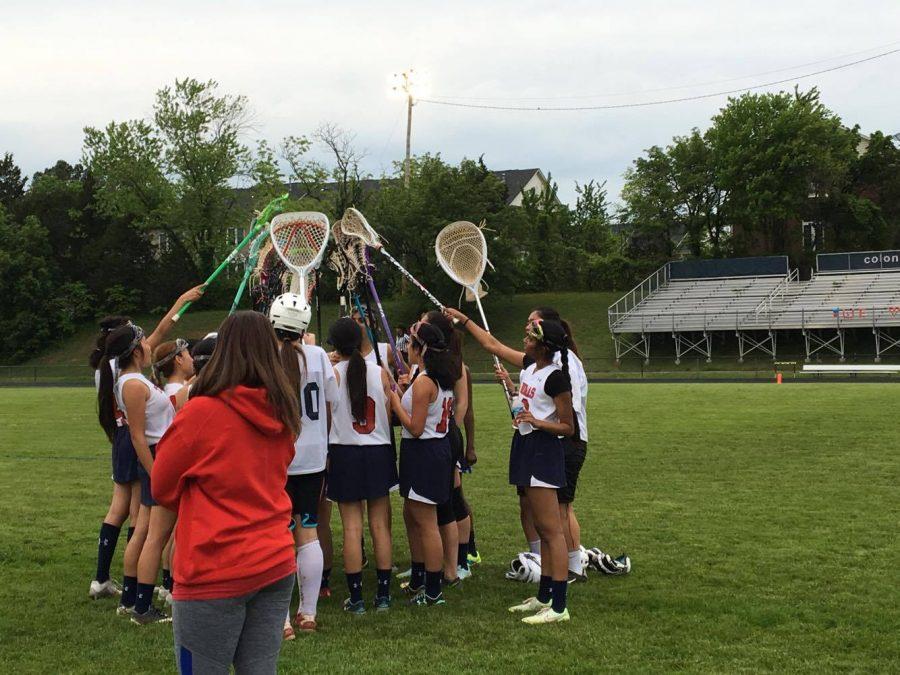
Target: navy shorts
{"x": 305, "y": 491}
{"x": 537, "y": 460}
{"x": 576, "y": 451}
{"x": 124, "y": 458}
{"x": 358, "y": 472}
{"x": 426, "y": 469}
{"x": 144, "y": 477}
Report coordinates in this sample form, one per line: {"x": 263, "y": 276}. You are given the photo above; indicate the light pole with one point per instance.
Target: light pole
{"x": 405, "y": 83}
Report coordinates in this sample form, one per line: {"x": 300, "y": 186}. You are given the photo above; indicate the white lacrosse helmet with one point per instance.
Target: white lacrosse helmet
{"x": 525, "y": 567}
{"x": 290, "y": 312}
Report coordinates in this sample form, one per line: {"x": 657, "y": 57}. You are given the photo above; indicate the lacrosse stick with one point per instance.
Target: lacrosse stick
{"x": 354, "y": 224}
{"x": 259, "y": 222}
{"x": 268, "y": 279}
{"x": 300, "y": 239}
{"x": 462, "y": 253}
{"x": 249, "y": 266}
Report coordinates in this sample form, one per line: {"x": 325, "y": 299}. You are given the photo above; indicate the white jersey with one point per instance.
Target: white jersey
{"x": 440, "y": 410}
{"x": 159, "y": 412}
{"x": 171, "y": 390}
{"x": 579, "y": 390}
{"x": 97, "y": 379}
{"x": 531, "y": 389}
{"x": 376, "y": 428}
{"x": 382, "y": 351}
{"x": 319, "y": 390}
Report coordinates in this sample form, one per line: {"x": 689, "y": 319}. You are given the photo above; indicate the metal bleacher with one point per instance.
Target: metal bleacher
{"x": 692, "y": 300}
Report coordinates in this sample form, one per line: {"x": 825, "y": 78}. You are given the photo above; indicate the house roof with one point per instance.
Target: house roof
{"x": 515, "y": 180}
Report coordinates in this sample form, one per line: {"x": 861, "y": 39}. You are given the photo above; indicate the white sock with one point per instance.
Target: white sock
{"x": 575, "y": 561}
{"x": 309, "y": 575}
{"x": 535, "y": 546}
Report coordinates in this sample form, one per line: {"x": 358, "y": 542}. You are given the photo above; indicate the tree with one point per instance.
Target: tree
{"x": 174, "y": 176}
{"x": 12, "y": 184}
{"x": 651, "y": 204}
{"x": 776, "y": 158}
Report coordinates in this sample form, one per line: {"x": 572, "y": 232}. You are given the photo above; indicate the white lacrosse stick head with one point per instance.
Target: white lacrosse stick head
{"x": 300, "y": 239}
{"x": 354, "y": 224}
{"x": 461, "y": 251}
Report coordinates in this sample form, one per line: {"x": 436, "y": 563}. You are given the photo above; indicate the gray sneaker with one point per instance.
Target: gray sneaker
{"x": 152, "y": 615}
{"x": 107, "y": 589}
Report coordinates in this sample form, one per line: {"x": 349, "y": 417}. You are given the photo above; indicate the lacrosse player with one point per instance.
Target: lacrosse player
{"x": 537, "y": 455}
{"x": 362, "y": 470}
{"x": 311, "y": 374}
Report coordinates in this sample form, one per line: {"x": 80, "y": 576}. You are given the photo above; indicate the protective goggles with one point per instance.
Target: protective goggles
{"x": 181, "y": 345}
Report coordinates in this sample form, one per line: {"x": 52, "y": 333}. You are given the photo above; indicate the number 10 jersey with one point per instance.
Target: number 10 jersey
{"x": 319, "y": 389}
{"x": 375, "y": 429}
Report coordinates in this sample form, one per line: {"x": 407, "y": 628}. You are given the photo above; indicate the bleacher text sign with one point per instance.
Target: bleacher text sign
{"x": 868, "y": 261}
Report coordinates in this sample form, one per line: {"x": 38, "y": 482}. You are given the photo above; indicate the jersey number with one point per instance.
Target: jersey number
{"x": 446, "y": 411}
{"x": 311, "y": 401}
{"x": 368, "y": 426}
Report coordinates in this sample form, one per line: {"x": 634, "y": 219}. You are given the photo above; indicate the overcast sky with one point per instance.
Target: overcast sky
{"x": 69, "y": 64}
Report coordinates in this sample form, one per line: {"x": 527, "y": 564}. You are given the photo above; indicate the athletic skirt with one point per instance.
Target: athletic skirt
{"x": 537, "y": 460}
{"x": 124, "y": 458}
{"x": 358, "y": 472}
{"x": 146, "y": 494}
{"x": 426, "y": 469}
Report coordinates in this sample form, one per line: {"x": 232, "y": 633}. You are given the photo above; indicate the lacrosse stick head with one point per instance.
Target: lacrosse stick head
{"x": 300, "y": 239}
{"x": 354, "y": 224}
{"x": 268, "y": 279}
{"x": 352, "y": 253}
{"x": 461, "y": 251}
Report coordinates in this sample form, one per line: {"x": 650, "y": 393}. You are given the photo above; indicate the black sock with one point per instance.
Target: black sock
{"x": 461, "y": 551}
{"x": 167, "y": 579}
{"x": 559, "y": 595}
{"x": 417, "y": 578}
{"x": 106, "y": 548}
{"x": 545, "y": 591}
{"x": 129, "y": 591}
{"x": 473, "y": 549}
{"x": 433, "y": 583}
{"x": 144, "y": 598}
{"x": 130, "y": 534}
{"x": 384, "y": 584}
{"x": 326, "y": 578}
{"x": 354, "y": 583}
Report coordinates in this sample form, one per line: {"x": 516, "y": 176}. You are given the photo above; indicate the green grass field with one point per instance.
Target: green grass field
{"x": 762, "y": 523}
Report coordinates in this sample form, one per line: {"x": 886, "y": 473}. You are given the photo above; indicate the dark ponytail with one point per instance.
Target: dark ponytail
{"x": 289, "y": 361}
{"x": 453, "y": 339}
{"x": 550, "y": 314}
{"x": 107, "y": 325}
{"x": 346, "y": 337}
{"x": 433, "y": 344}
{"x": 121, "y": 343}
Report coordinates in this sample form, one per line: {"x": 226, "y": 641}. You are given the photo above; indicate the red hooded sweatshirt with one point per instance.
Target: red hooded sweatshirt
{"x": 222, "y": 467}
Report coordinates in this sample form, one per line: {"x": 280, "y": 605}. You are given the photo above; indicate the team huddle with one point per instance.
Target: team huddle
{"x": 228, "y": 462}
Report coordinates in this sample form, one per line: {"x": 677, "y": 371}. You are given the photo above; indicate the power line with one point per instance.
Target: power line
{"x": 672, "y": 88}
{"x": 643, "y": 104}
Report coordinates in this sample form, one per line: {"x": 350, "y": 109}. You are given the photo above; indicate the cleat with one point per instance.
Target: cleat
{"x": 463, "y": 572}
{"x": 450, "y": 583}
{"x": 324, "y": 593}
{"x": 354, "y": 607}
{"x": 107, "y": 589}
{"x": 574, "y": 577}
{"x": 406, "y": 588}
{"x": 122, "y": 610}
{"x": 530, "y": 605}
{"x": 163, "y": 594}
{"x": 474, "y": 559}
{"x": 547, "y": 616}
{"x": 614, "y": 566}
{"x": 152, "y": 615}
{"x": 382, "y": 603}
{"x": 405, "y": 575}
{"x": 306, "y": 623}
{"x": 421, "y": 599}
{"x": 288, "y": 632}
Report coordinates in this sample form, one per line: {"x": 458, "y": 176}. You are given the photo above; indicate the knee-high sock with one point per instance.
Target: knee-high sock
{"x": 309, "y": 575}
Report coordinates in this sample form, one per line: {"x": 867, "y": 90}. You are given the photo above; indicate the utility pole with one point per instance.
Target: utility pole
{"x": 404, "y": 84}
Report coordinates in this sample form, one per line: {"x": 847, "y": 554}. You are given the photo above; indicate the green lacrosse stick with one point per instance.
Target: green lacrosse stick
{"x": 252, "y": 259}
{"x": 258, "y": 223}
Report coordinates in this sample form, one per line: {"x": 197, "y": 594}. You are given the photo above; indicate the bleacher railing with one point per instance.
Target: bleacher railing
{"x": 638, "y": 294}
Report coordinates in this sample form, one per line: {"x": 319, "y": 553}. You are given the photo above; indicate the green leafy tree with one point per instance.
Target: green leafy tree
{"x": 12, "y": 183}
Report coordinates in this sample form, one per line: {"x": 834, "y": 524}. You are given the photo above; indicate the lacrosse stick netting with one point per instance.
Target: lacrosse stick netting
{"x": 461, "y": 251}
{"x": 300, "y": 239}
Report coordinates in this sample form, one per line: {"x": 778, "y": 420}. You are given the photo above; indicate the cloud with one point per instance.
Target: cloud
{"x": 68, "y": 65}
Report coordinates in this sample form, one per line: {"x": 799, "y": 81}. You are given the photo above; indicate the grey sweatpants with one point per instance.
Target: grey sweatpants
{"x": 211, "y": 635}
